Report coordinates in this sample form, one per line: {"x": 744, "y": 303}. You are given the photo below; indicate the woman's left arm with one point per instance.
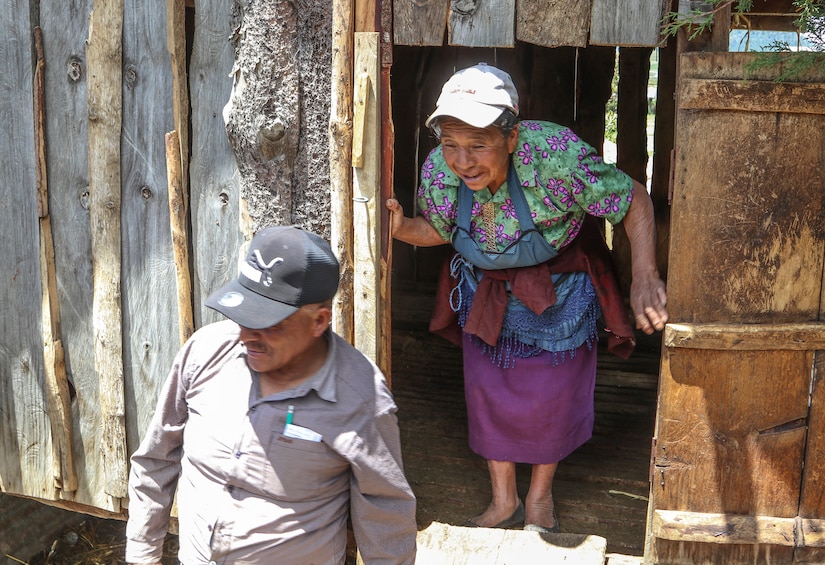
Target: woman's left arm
{"x": 648, "y": 297}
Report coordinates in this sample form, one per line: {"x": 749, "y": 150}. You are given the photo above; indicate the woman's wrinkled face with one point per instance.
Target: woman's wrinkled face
{"x": 480, "y": 156}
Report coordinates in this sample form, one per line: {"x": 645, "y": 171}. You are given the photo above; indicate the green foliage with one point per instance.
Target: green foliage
{"x": 611, "y": 109}
{"x": 792, "y": 64}
{"x": 812, "y": 21}
{"x": 699, "y": 17}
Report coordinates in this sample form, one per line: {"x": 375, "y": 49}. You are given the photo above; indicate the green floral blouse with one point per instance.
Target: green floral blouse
{"x": 563, "y": 178}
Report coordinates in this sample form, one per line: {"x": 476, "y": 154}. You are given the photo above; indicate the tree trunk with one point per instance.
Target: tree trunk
{"x": 278, "y": 113}
{"x": 263, "y": 116}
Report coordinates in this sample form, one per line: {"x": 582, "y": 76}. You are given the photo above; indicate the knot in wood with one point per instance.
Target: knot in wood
{"x": 271, "y": 141}
{"x": 74, "y": 69}
{"x": 464, "y": 7}
{"x": 130, "y": 76}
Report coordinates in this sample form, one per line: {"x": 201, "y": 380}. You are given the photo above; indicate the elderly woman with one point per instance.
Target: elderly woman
{"x": 529, "y": 281}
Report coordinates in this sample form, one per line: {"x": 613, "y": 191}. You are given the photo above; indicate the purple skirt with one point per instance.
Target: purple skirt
{"x": 533, "y": 412}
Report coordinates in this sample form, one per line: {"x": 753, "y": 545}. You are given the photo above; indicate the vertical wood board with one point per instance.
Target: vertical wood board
{"x": 418, "y": 22}
{"x": 68, "y": 172}
{"x": 213, "y": 173}
{"x": 340, "y": 165}
{"x": 767, "y": 245}
{"x": 731, "y": 431}
{"x": 150, "y": 312}
{"x": 367, "y": 202}
{"x": 553, "y": 23}
{"x": 176, "y": 44}
{"x": 631, "y": 140}
{"x": 25, "y": 436}
{"x": 482, "y": 23}
{"x": 105, "y": 101}
{"x": 628, "y": 23}
{"x": 55, "y": 377}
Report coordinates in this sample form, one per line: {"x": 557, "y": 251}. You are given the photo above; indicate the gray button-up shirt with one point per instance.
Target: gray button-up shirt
{"x": 251, "y": 490}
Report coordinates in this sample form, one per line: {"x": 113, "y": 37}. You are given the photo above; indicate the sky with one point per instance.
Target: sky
{"x": 759, "y": 40}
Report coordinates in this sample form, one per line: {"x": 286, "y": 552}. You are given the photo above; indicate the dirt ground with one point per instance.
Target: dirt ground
{"x": 94, "y": 541}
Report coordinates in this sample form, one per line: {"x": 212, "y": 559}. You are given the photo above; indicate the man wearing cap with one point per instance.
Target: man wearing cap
{"x": 518, "y": 201}
{"x": 273, "y": 429}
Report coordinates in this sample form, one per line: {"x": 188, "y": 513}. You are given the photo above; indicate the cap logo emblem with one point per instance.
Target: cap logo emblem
{"x": 265, "y": 267}
{"x": 231, "y": 299}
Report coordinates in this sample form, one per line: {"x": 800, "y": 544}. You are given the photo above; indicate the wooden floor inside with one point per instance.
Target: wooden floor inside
{"x": 600, "y": 489}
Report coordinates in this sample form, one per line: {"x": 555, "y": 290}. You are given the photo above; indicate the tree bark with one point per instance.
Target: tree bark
{"x": 263, "y": 113}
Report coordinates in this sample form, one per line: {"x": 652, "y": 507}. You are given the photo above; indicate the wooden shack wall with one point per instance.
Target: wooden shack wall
{"x": 51, "y": 338}
{"x": 29, "y": 463}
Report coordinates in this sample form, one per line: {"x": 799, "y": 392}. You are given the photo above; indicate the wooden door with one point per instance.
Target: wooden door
{"x": 737, "y": 462}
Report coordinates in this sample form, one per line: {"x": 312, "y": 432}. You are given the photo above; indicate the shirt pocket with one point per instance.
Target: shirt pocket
{"x": 294, "y": 469}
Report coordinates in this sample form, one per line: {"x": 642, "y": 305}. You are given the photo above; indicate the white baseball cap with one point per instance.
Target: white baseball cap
{"x": 477, "y": 96}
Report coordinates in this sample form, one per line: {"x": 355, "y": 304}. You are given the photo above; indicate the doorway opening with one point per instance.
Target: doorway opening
{"x": 601, "y": 488}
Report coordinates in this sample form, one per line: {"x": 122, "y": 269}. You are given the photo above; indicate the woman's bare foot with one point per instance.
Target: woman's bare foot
{"x": 499, "y": 516}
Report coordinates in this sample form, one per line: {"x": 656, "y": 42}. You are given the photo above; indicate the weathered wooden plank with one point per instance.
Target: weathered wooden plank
{"x": 419, "y": 22}
{"x": 631, "y": 140}
{"x": 764, "y": 259}
{"x": 386, "y": 185}
{"x": 738, "y": 67}
{"x": 665, "y": 122}
{"x": 812, "y": 499}
{"x": 148, "y": 285}
{"x": 362, "y": 92}
{"x": 553, "y": 23}
{"x": 365, "y": 14}
{"x": 598, "y": 64}
{"x": 752, "y": 96}
{"x": 25, "y": 436}
{"x": 57, "y": 385}
{"x": 214, "y": 186}
{"x": 765, "y": 337}
{"x": 629, "y": 23}
{"x": 716, "y": 38}
{"x": 730, "y": 436}
{"x": 103, "y": 55}
{"x": 66, "y": 29}
{"x": 340, "y": 162}
{"x": 178, "y": 208}
{"x": 482, "y": 23}
{"x": 733, "y": 425}
{"x": 176, "y": 43}
{"x": 367, "y": 202}
{"x": 743, "y": 529}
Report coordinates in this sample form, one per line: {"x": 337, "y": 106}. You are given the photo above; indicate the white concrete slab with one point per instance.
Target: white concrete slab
{"x": 442, "y": 544}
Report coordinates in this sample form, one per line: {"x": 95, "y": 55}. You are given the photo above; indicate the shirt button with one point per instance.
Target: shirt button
{"x": 237, "y": 455}
{"x": 209, "y": 527}
{"x": 213, "y": 563}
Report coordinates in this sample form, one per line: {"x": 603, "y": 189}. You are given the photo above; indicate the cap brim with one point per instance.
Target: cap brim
{"x": 247, "y": 308}
{"x": 474, "y": 113}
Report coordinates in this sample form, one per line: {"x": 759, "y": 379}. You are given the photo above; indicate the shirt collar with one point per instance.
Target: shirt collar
{"x": 322, "y": 382}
